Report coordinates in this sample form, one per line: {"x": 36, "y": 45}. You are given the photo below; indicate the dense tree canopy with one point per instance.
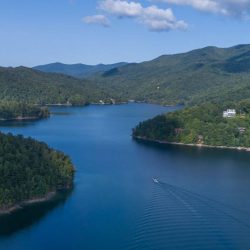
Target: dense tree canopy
{"x": 15, "y": 110}
{"x": 32, "y": 86}
{"x": 198, "y": 76}
{"x": 201, "y": 125}
{"x": 30, "y": 169}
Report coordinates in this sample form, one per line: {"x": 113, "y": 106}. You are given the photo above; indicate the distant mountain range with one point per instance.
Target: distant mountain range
{"x": 207, "y": 74}
{"x": 77, "y": 70}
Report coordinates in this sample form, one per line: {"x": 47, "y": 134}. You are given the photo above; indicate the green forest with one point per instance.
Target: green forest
{"x": 202, "y": 124}
{"x": 204, "y": 75}
{"x": 199, "y": 76}
{"x": 23, "y": 91}
{"x": 30, "y": 169}
{"x": 15, "y": 110}
{"x": 35, "y": 87}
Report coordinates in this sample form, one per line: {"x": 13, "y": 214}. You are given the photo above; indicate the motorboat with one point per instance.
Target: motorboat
{"x": 155, "y": 180}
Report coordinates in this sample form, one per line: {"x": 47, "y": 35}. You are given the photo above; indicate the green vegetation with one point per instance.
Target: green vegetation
{"x": 205, "y": 75}
{"x": 35, "y": 87}
{"x": 201, "y": 125}
{"x": 199, "y": 76}
{"x": 30, "y": 170}
{"x": 23, "y": 90}
{"x": 15, "y": 110}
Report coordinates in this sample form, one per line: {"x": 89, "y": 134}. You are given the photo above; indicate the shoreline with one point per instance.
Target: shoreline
{"x": 26, "y": 118}
{"x": 23, "y": 204}
{"x": 110, "y": 104}
{"x": 141, "y": 138}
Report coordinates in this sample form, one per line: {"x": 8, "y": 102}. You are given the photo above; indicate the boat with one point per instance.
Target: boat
{"x": 155, "y": 180}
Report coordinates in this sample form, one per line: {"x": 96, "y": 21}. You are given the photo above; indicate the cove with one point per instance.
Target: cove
{"x": 201, "y": 201}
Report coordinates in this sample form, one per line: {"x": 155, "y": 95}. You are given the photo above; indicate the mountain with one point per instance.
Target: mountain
{"x": 35, "y": 87}
{"x": 207, "y": 74}
{"x": 77, "y": 70}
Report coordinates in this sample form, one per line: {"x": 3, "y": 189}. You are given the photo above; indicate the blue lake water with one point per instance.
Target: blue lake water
{"x": 202, "y": 199}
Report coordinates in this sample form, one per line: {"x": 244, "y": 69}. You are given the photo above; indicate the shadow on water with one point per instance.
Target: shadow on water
{"x": 22, "y": 123}
{"x": 34, "y": 122}
{"x": 196, "y": 152}
{"x": 31, "y": 214}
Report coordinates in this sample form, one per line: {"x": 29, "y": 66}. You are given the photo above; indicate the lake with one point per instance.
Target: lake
{"x": 201, "y": 200}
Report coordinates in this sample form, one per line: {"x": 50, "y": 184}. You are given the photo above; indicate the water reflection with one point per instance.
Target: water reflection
{"x": 16, "y": 124}
{"x": 31, "y": 214}
{"x": 197, "y": 152}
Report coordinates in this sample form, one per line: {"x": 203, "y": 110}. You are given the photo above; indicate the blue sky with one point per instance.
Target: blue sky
{"x": 108, "y": 31}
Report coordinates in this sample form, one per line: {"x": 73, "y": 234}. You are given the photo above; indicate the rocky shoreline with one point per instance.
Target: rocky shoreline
{"x": 140, "y": 138}
{"x": 49, "y": 196}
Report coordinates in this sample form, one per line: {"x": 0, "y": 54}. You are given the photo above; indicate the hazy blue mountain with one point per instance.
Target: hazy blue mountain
{"x": 77, "y": 70}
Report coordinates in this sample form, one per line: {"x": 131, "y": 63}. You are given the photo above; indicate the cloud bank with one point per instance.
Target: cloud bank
{"x": 153, "y": 17}
{"x": 159, "y": 19}
{"x": 237, "y": 8}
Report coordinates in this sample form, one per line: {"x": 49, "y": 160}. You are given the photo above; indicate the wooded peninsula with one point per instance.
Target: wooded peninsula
{"x": 11, "y": 110}
{"x": 201, "y": 125}
{"x": 30, "y": 171}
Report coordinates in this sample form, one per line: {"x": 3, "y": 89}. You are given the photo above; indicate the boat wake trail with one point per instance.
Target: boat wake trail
{"x": 176, "y": 218}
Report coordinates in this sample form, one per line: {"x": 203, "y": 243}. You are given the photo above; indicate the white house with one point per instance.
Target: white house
{"x": 229, "y": 113}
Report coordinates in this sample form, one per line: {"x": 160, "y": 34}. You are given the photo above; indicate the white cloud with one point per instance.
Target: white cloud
{"x": 238, "y": 8}
{"x": 121, "y": 8}
{"x": 160, "y": 20}
{"x": 156, "y": 19}
{"x": 97, "y": 19}
{"x": 162, "y": 25}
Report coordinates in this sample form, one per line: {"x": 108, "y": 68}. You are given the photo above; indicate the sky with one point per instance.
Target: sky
{"x": 109, "y": 31}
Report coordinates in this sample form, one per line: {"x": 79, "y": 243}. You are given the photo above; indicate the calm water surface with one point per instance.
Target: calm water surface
{"x": 202, "y": 199}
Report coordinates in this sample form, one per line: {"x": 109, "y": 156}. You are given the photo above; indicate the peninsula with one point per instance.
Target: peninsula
{"x": 207, "y": 125}
{"x": 30, "y": 172}
{"x": 11, "y": 110}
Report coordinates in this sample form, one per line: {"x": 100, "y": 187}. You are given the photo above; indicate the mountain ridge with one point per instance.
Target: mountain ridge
{"x": 22, "y": 84}
{"x": 77, "y": 70}
{"x": 181, "y": 78}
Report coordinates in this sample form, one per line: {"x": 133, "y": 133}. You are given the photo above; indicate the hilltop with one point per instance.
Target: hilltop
{"x": 78, "y": 70}
{"x": 207, "y": 74}
{"x": 23, "y": 84}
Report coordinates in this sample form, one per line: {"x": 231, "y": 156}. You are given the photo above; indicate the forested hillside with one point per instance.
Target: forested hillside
{"x": 208, "y": 74}
{"x": 203, "y": 75}
{"x": 30, "y": 170}
{"x": 31, "y": 86}
{"x": 19, "y": 111}
{"x": 202, "y": 124}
